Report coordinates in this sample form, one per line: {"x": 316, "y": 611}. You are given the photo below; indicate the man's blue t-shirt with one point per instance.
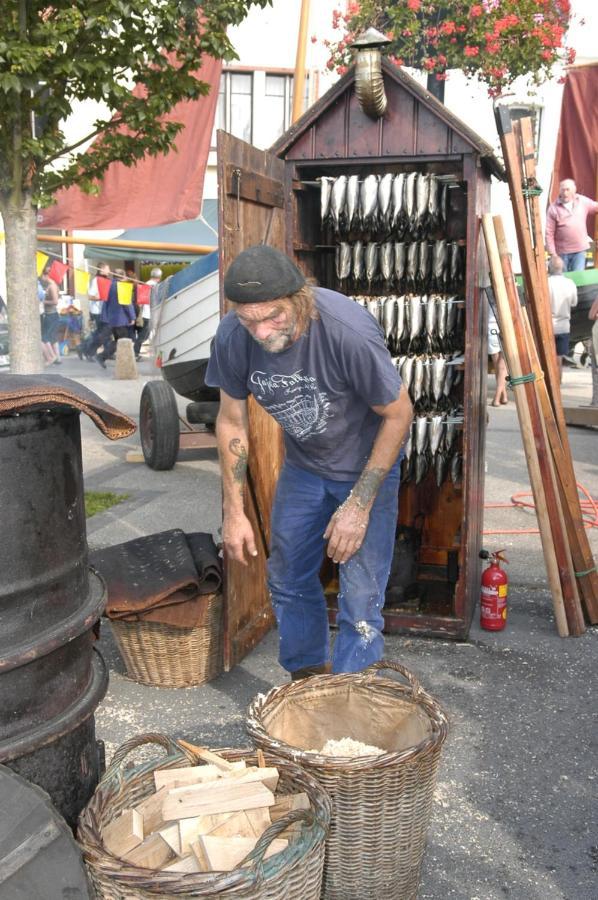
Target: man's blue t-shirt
{"x": 320, "y": 389}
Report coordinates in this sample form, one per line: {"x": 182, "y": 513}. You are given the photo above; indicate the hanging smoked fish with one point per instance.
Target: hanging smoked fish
{"x": 352, "y": 202}
{"x": 412, "y": 266}
{"x": 343, "y": 260}
{"x": 357, "y": 261}
{"x": 338, "y": 197}
{"x": 387, "y": 260}
{"x": 398, "y": 212}
{"x": 400, "y": 264}
{"x": 371, "y": 262}
{"x": 385, "y": 199}
{"x": 325, "y": 190}
{"x": 368, "y": 202}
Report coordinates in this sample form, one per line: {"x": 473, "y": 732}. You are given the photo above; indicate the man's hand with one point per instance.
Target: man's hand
{"x": 237, "y": 536}
{"x": 346, "y": 531}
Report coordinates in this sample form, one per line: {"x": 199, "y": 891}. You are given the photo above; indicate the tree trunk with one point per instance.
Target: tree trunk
{"x": 20, "y": 228}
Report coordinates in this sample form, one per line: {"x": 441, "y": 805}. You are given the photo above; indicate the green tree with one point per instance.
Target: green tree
{"x": 55, "y": 52}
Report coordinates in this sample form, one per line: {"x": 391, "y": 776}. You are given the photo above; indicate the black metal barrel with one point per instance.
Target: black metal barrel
{"x": 51, "y": 679}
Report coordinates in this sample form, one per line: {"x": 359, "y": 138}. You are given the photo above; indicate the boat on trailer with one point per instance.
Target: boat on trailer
{"x": 185, "y": 316}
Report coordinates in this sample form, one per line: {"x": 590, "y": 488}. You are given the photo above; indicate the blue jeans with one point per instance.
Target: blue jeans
{"x": 574, "y": 262}
{"x": 303, "y": 506}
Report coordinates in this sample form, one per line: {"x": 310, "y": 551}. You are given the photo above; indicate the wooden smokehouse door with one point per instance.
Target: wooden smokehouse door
{"x": 251, "y": 208}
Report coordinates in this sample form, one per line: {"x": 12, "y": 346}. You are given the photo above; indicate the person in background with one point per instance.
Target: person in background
{"x": 142, "y": 323}
{"x": 117, "y": 317}
{"x": 566, "y": 226}
{"x": 498, "y": 361}
{"x": 89, "y": 347}
{"x": 50, "y": 319}
{"x": 317, "y": 362}
{"x": 563, "y": 297}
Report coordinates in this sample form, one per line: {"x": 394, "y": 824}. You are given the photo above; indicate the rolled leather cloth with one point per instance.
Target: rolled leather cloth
{"x": 155, "y": 578}
{"x": 32, "y": 393}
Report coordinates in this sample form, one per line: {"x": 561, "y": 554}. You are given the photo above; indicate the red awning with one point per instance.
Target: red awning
{"x": 158, "y": 189}
{"x": 577, "y": 143}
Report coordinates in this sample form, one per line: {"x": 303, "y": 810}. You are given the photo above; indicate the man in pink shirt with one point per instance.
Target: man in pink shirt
{"x": 566, "y": 226}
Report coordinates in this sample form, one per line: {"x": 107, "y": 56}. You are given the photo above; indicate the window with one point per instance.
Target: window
{"x": 234, "y": 112}
{"x": 255, "y": 106}
{"x": 277, "y": 107}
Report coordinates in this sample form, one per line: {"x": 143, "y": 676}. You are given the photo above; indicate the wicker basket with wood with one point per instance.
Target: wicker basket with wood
{"x": 167, "y": 656}
{"x": 291, "y": 873}
{"x": 381, "y": 804}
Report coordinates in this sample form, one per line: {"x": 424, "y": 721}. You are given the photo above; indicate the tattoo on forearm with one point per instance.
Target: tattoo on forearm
{"x": 367, "y": 486}
{"x": 240, "y": 467}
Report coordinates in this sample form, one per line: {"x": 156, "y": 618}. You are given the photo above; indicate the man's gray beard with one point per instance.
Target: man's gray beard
{"x": 265, "y": 345}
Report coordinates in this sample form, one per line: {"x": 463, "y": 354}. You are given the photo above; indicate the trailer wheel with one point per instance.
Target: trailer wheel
{"x": 159, "y": 425}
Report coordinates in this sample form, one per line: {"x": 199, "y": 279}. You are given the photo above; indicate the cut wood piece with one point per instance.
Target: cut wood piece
{"x": 171, "y": 778}
{"x": 245, "y": 823}
{"x": 201, "y": 858}
{"x": 210, "y": 757}
{"x": 258, "y": 819}
{"x": 286, "y": 803}
{"x": 261, "y": 759}
{"x": 213, "y": 798}
{"x": 172, "y": 836}
{"x": 224, "y": 854}
{"x": 151, "y": 811}
{"x": 268, "y": 776}
{"x": 153, "y": 853}
{"x": 124, "y": 833}
{"x": 187, "y": 865}
{"x": 189, "y": 830}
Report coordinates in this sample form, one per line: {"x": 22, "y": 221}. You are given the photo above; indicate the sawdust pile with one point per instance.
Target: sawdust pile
{"x": 348, "y": 747}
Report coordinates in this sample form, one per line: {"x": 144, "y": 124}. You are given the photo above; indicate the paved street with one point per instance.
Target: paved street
{"x": 515, "y": 808}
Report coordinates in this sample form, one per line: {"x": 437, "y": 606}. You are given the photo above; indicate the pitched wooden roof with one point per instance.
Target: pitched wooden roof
{"x": 415, "y": 124}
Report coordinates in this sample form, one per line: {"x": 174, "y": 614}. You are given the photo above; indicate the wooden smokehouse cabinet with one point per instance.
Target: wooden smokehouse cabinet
{"x": 275, "y": 197}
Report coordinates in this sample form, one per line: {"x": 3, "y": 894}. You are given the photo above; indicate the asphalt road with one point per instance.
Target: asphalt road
{"x": 515, "y": 806}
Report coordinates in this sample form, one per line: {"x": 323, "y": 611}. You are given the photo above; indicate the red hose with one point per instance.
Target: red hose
{"x": 589, "y": 511}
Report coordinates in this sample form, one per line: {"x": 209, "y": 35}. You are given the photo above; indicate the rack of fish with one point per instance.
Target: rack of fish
{"x": 425, "y": 336}
{"x": 434, "y": 444}
{"x": 416, "y": 323}
{"x": 417, "y": 266}
{"x": 407, "y": 204}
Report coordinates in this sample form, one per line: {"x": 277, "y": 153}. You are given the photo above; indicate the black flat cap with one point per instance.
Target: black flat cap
{"x": 261, "y": 273}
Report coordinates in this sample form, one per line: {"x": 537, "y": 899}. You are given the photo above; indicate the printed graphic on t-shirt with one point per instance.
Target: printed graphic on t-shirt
{"x": 295, "y": 401}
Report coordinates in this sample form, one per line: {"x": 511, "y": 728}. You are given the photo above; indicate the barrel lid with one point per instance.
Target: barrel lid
{"x": 39, "y": 857}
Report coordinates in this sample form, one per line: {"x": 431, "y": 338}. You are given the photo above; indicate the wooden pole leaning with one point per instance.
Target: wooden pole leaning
{"x": 534, "y": 289}
{"x": 539, "y": 305}
{"x": 548, "y": 471}
{"x": 578, "y": 540}
{"x": 531, "y": 455}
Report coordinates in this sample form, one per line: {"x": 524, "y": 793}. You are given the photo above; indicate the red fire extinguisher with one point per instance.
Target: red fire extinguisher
{"x": 495, "y": 587}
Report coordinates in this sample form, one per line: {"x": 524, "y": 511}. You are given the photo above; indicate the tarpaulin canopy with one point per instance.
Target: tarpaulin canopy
{"x": 202, "y": 231}
{"x": 577, "y": 144}
{"x": 158, "y": 189}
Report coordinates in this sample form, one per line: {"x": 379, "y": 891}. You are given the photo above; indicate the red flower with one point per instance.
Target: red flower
{"x": 475, "y": 11}
{"x": 429, "y": 63}
{"x": 571, "y": 54}
{"x": 414, "y": 5}
{"x": 546, "y": 54}
{"x": 448, "y": 28}
{"x": 471, "y": 51}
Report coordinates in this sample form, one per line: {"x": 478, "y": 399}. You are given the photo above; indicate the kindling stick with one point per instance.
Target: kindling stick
{"x": 539, "y": 428}
{"x": 512, "y": 358}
